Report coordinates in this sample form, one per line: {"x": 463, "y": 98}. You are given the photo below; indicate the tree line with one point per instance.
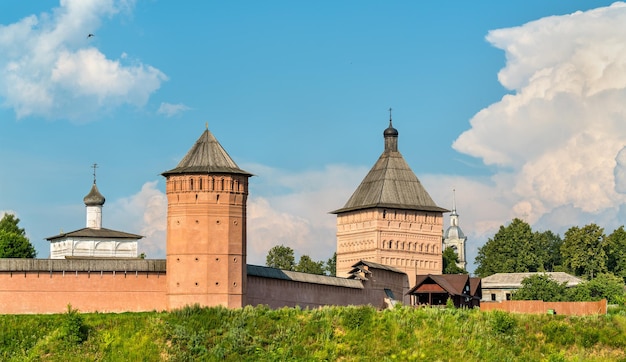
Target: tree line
{"x": 282, "y": 257}
{"x": 583, "y": 251}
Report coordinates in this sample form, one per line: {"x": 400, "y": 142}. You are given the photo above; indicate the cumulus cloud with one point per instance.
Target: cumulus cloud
{"x": 292, "y": 209}
{"x": 143, "y": 213}
{"x": 49, "y": 67}
{"x": 557, "y": 139}
{"x": 170, "y": 110}
{"x": 284, "y": 208}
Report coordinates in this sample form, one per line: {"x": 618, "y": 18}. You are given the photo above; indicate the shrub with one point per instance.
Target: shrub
{"x": 73, "y": 329}
{"x": 357, "y": 317}
{"x": 559, "y": 333}
{"x": 502, "y": 322}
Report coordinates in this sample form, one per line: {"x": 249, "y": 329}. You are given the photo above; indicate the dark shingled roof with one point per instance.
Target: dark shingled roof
{"x": 273, "y": 273}
{"x": 371, "y": 264}
{"x": 451, "y": 283}
{"x": 101, "y": 233}
{"x": 206, "y": 156}
{"x": 391, "y": 183}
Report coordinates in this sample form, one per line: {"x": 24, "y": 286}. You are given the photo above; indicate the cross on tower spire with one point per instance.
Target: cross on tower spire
{"x": 95, "y": 165}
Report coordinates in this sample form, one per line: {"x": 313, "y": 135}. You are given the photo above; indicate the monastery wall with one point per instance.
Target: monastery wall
{"x": 42, "y": 286}
{"x": 277, "y": 293}
{"x": 39, "y": 286}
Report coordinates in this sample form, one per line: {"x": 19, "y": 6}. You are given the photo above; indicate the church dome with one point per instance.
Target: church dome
{"x": 454, "y": 232}
{"x": 94, "y": 197}
{"x": 390, "y": 131}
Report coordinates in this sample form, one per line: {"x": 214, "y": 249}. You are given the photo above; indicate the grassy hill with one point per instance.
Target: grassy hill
{"x": 333, "y": 333}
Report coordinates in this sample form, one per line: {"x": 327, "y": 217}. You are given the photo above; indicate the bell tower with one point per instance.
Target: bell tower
{"x": 390, "y": 219}
{"x": 206, "y": 228}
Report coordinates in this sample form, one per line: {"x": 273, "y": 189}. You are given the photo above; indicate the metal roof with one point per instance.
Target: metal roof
{"x": 391, "y": 183}
{"x": 273, "y": 273}
{"x": 514, "y": 280}
{"x": 101, "y": 233}
{"x": 206, "y": 156}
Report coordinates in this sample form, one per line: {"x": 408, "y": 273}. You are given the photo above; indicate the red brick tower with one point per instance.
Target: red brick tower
{"x": 206, "y": 228}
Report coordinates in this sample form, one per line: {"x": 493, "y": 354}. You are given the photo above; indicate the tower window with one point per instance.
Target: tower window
{"x": 191, "y": 184}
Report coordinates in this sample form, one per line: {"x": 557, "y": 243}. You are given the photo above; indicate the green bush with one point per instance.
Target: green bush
{"x": 558, "y": 332}
{"x": 502, "y": 322}
{"x": 73, "y": 329}
{"x": 354, "y": 318}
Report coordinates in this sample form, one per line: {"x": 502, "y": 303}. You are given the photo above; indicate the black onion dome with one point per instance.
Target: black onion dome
{"x": 94, "y": 197}
{"x": 390, "y": 131}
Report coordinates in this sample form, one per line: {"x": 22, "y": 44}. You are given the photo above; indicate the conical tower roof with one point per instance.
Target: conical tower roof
{"x": 391, "y": 183}
{"x": 206, "y": 156}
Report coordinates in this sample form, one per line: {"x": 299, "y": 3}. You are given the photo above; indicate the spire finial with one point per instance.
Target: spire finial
{"x": 95, "y": 165}
{"x": 453, "y": 199}
{"x": 389, "y": 116}
{"x": 206, "y": 125}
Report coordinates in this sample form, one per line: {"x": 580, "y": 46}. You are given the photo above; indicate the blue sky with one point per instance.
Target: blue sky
{"x": 518, "y": 105}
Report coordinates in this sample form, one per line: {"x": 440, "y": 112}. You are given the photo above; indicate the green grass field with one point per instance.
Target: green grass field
{"x": 331, "y": 334}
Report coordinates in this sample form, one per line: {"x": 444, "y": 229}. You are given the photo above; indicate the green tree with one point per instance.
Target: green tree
{"x": 307, "y": 265}
{"x": 541, "y": 287}
{"x": 549, "y": 250}
{"x": 615, "y": 249}
{"x": 603, "y": 286}
{"x": 450, "y": 260}
{"x": 280, "y": 257}
{"x": 13, "y": 240}
{"x": 583, "y": 250}
{"x": 331, "y": 265}
{"x": 514, "y": 248}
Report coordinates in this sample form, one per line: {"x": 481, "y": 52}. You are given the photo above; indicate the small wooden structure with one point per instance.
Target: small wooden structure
{"x": 435, "y": 290}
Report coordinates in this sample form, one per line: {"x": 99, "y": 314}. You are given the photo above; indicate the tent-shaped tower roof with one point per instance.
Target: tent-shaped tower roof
{"x": 391, "y": 183}
{"x": 206, "y": 156}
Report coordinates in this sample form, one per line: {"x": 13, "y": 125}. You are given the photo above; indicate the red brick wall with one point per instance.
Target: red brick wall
{"x": 541, "y": 307}
{"x": 32, "y": 292}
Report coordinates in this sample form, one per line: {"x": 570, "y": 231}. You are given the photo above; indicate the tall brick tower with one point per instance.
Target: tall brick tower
{"x": 390, "y": 219}
{"x": 206, "y": 228}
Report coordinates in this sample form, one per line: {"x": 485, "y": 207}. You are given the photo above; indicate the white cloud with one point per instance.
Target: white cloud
{"x": 292, "y": 209}
{"x": 558, "y": 136}
{"x": 170, "y": 110}
{"x": 49, "y": 68}
{"x": 143, "y": 213}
